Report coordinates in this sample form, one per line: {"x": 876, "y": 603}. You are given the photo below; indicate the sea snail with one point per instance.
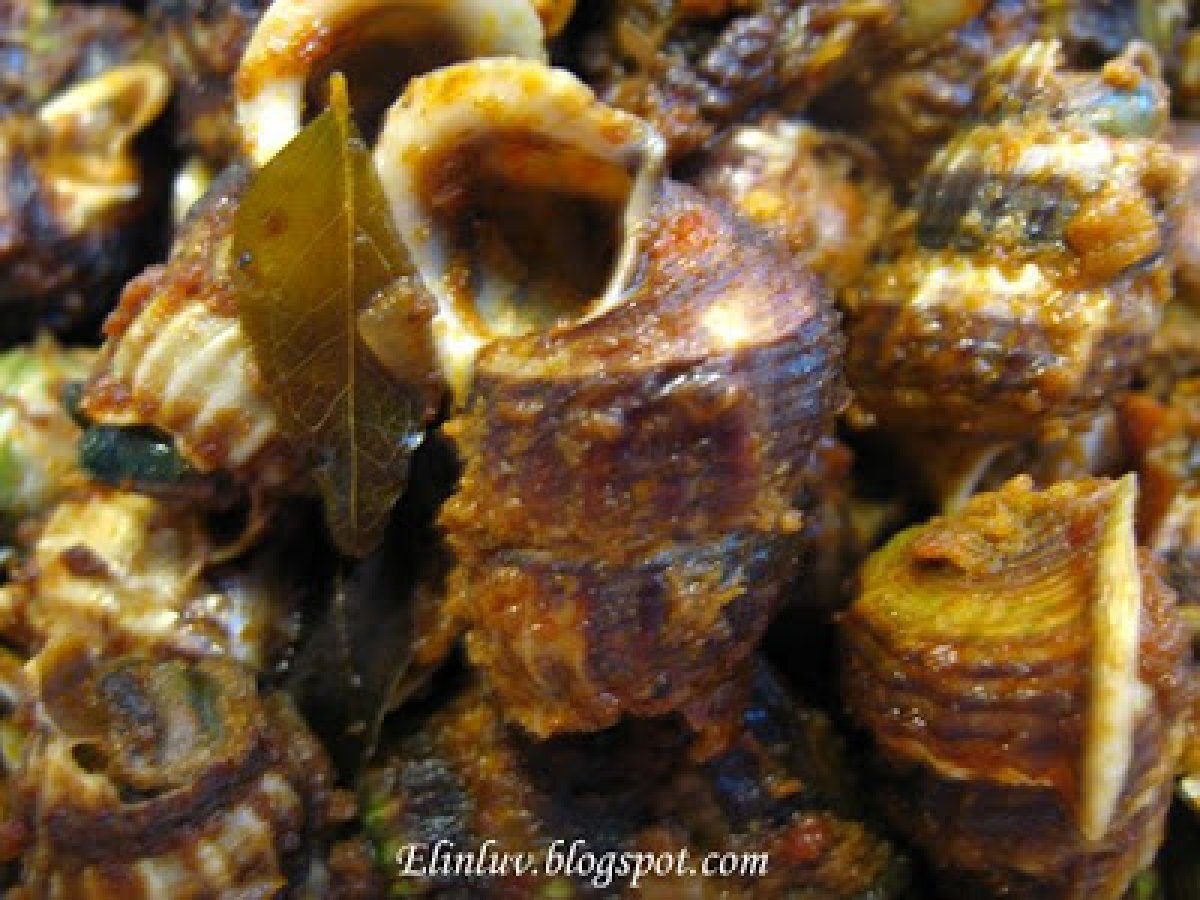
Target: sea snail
{"x": 76, "y": 209}
{"x": 824, "y": 194}
{"x": 134, "y": 573}
{"x": 149, "y": 778}
{"x": 176, "y": 358}
{"x": 639, "y": 381}
{"x": 634, "y": 435}
{"x": 694, "y": 69}
{"x": 1025, "y": 282}
{"x": 518, "y": 195}
{"x": 1021, "y": 668}
{"x": 296, "y": 40}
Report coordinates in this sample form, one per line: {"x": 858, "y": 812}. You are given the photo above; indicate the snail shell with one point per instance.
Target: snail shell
{"x": 153, "y": 779}
{"x": 1020, "y": 666}
{"x": 203, "y": 44}
{"x": 631, "y": 474}
{"x": 694, "y": 69}
{"x": 136, "y": 573}
{"x": 1125, "y": 98}
{"x": 1027, "y": 280}
{"x": 908, "y": 105}
{"x": 176, "y": 357}
{"x": 460, "y": 774}
{"x": 948, "y": 470}
{"x": 477, "y": 159}
{"x": 296, "y": 39}
{"x": 75, "y": 209}
{"x": 821, "y": 193}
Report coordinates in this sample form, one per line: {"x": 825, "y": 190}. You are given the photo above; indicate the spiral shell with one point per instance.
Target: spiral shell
{"x": 176, "y": 358}
{"x": 461, "y": 776}
{"x": 629, "y": 497}
{"x": 74, "y": 210}
{"x": 908, "y": 105}
{"x": 1020, "y": 666}
{"x": 694, "y": 69}
{"x": 476, "y": 159}
{"x": 1125, "y": 98}
{"x": 153, "y": 779}
{"x": 204, "y": 43}
{"x": 1028, "y": 278}
{"x": 137, "y": 574}
{"x": 948, "y": 470}
{"x": 821, "y": 193}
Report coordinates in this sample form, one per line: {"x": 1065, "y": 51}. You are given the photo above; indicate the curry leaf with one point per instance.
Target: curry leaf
{"x": 314, "y": 243}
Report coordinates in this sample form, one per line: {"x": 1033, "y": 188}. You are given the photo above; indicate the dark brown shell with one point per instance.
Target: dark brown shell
{"x": 908, "y": 105}
{"x": 643, "y": 468}
{"x": 691, "y": 75}
{"x": 204, "y": 42}
{"x": 461, "y": 775}
{"x": 64, "y": 252}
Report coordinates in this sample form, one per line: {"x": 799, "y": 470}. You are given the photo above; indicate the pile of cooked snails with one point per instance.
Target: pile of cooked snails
{"x": 799, "y": 446}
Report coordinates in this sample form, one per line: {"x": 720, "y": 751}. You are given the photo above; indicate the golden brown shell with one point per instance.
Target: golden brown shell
{"x": 135, "y": 574}
{"x": 1031, "y": 272}
{"x": 821, "y": 193}
{"x": 1021, "y": 668}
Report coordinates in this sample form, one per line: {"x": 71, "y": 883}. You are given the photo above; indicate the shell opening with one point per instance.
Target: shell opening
{"x": 508, "y": 269}
{"x": 150, "y": 725}
{"x": 378, "y": 44}
{"x": 91, "y": 128}
{"x": 518, "y": 194}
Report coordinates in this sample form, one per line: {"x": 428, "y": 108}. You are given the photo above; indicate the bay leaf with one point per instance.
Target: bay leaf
{"x": 313, "y": 243}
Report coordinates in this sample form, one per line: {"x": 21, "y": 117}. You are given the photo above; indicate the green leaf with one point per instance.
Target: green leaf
{"x": 314, "y": 243}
